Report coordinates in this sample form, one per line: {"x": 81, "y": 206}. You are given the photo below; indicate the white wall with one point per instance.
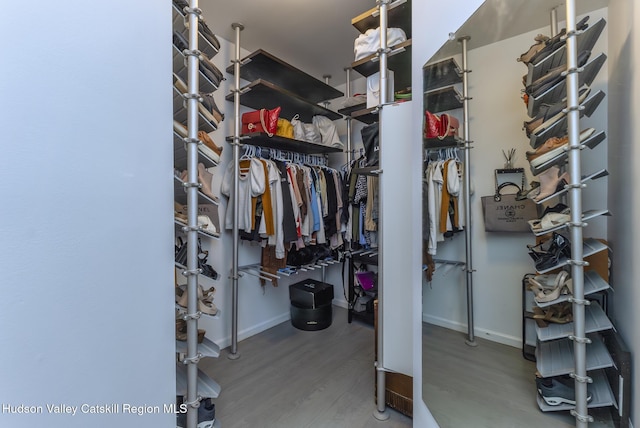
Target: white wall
{"x": 86, "y": 182}
{"x": 624, "y": 198}
{"x": 500, "y": 260}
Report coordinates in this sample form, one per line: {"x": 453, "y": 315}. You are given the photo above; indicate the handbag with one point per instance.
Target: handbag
{"x": 441, "y": 126}
{"x": 262, "y": 120}
{"x": 504, "y": 213}
{"x": 284, "y": 129}
{"x": 371, "y": 142}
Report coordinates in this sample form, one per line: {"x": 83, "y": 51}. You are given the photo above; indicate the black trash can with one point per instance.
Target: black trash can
{"x": 311, "y": 307}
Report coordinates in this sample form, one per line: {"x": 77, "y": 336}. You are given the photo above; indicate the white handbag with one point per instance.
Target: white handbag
{"x": 328, "y": 131}
{"x": 368, "y": 43}
{"x": 373, "y": 89}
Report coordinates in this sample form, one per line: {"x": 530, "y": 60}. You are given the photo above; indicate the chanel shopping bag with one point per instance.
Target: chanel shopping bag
{"x": 503, "y": 213}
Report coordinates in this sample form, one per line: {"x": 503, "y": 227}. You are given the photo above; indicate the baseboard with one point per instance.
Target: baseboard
{"x": 493, "y": 336}
{"x": 255, "y": 329}
{"x": 340, "y": 303}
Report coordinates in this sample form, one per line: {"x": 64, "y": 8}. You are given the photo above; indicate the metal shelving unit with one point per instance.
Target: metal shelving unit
{"x": 192, "y": 383}
{"x": 274, "y": 84}
{"x": 441, "y": 94}
{"x": 561, "y": 349}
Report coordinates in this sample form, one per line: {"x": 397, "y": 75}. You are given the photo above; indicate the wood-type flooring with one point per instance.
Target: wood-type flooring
{"x": 288, "y": 378}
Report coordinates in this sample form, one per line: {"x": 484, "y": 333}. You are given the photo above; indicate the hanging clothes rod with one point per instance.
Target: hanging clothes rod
{"x": 278, "y": 154}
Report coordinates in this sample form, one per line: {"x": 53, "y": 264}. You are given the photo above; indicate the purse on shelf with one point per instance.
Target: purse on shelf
{"x": 262, "y": 120}
{"x": 441, "y": 126}
{"x": 285, "y": 128}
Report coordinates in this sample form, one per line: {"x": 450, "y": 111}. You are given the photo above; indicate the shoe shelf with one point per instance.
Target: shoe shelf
{"x": 558, "y": 91}
{"x": 398, "y": 16}
{"x": 179, "y": 25}
{"x": 593, "y": 283}
{"x": 398, "y": 60}
{"x": 180, "y": 155}
{"x": 595, "y": 320}
{"x": 260, "y": 139}
{"x": 445, "y": 143}
{"x": 559, "y": 128}
{"x": 590, "y": 246}
{"x": 585, "y": 40}
{"x": 207, "y": 387}
{"x": 180, "y": 113}
{"x": 180, "y": 68}
{"x": 207, "y": 348}
{"x": 183, "y": 311}
{"x": 586, "y": 216}
{"x": 367, "y": 170}
{"x": 555, "y": 358}
{"x": 181, "y": 196}
{"x": 442, "y": 73}
{"x": 263, "y": 94}
{"x": 443, "y": 99}
{"x": 594, "y": 176}
{"x": 361, "y": 113}
{"x": 179, "y": 225}
{"x": 601, "y": 395}
{"x": 369, "y": 257}
{"x": 262, "y": 65}
{"x": 590, "y": 142}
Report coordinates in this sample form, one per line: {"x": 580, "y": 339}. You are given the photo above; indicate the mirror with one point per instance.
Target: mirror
{"x": 490, "y": 384}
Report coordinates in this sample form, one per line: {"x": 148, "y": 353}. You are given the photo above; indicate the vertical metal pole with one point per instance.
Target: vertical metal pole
{"x": 233, "y": 355}
{"x": 193, "y": 86}
{"x": 327, "y": 78}
{"x": 575, "y": 203}
{"x": 471, "y": 340}
{"x": 381, "y": 413}
{"x": 554, "y": 21}
{"x": 349, "y": 118}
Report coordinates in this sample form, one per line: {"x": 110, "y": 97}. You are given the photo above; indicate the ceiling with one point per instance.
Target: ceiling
{"x": 314, "y": 36}
{"x": 317, "y": 36}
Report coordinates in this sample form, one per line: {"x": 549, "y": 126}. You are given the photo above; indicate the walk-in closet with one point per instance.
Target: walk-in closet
{"x": 373, "y": 213}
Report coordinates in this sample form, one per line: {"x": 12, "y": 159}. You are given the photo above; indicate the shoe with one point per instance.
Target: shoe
{"x": 560, "y": 246}
{"x": 208, "y": 34}
{"x": 206, "y": 67}
{"x": 181, "y": 331}
{"x": 207, "y": 107}
{"x": 548, "y": 183}
{"x": 541, "y": 41}
{"x": 206, "y": 413}
{"x": 549, "y": 290}
{"x": 179, "y": 213}
{"x": 553, "y": 147}
{"x": 556, "y": 42}
{"x": 551, "y": 144}
{"x": 208, "y": 147}
{"x": 549, "y": 114}
{"x": 205, "y": 223}
{"x": 205, "y": 299}
{"x": 205, "y": 178}
{"x": 553, "y": 76}
{"x": 180, "y": 129}
{"x": 555, "y": 392}
{"x": 210, "y": 110}
{"x": 549, "y": 221}
{"x": 559, "y": 313}
{"x": 562, "y": 182}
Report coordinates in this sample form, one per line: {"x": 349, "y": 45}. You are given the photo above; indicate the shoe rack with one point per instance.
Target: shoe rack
{"x": 273, "y": 83}
{"x": 576, "y": 348}
{"x": 191, "y": 383}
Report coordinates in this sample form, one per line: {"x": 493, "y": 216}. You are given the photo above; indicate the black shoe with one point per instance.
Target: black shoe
{"x": 206, "y": 414}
